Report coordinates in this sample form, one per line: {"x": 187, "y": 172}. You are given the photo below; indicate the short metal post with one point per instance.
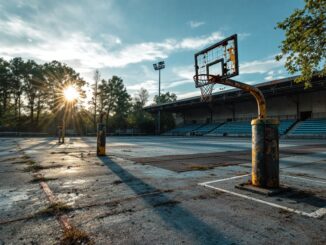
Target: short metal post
{"x": 60, "y": 135}
{"x": 265, "y": 153}
{"x": 101, "y": 139}
{"x": 63, "y": 131}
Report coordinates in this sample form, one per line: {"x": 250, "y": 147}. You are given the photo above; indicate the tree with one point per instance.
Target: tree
{"x": 58, "y": 76}
{"x": 18, "y": 70}
{"x": 115, "y": 101}
{"x": 167, "y": 118}
{"x": 5, "y": 85}
{"x": 142, "y": 97}
{"x": 305, "y": 44}
{"x": 165, "y": 98}
{"x": 30, "y": 92}
{"x": 138, "y": 118}
{"x": 33, "y": 85}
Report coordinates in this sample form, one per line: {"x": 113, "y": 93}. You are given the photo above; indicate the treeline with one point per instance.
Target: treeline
{"x": 31, "y": 99}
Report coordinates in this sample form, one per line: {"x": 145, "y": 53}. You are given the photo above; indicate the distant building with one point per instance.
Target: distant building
{"x": 285, "y": 100}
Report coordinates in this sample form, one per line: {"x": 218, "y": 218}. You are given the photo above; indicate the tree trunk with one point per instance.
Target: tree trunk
{"x": 16, "y": 108}
{"x": 107, "y": 122}
{"x": 32, "y": 112}
{"x": 4, "y": 103}
{"x": 19, "y": 107}
{"x": 38, "y": 112}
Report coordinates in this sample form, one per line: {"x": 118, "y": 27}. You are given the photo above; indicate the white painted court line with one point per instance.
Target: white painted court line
{"x": 316, "y": 181}
{"x": 316, "y": 214}
{"x": 220, "y": 180}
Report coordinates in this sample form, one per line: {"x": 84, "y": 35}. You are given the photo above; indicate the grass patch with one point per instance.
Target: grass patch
{"x": 8, "y": 159}
{"x": 116, "y": 182}
{"x": 200, "y": 168}
{"x": 37, "y": 179}
{"x": 29, "y": 162}
{"x": 37, "y": 167}
{"x": 75, "y": 236}
{"x": 167, "y": 203}
{"x": 33, "y": 168}
{"x": 55, "y": 208}
{"x": 59, "y": 152}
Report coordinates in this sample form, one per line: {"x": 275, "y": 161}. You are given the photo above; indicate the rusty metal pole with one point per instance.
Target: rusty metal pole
{"x": 265, "y": 153}
{"x": 265, "y": 142}
{"x": 59, "y": 134}
{"x": 101, "y": 137}
{"x": 63, "y": 130}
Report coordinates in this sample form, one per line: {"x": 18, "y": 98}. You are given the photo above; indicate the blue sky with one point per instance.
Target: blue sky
{"x": 125, "y": 37}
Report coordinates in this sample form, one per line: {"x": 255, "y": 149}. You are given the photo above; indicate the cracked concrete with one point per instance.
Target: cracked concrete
{"x": 145, "y": 191}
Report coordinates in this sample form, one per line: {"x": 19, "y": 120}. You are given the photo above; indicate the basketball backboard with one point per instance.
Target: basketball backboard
{"x": 219, "y": 60}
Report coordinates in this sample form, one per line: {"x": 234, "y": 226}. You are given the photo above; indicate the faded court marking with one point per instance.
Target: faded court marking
{"x": 316, "y": 214}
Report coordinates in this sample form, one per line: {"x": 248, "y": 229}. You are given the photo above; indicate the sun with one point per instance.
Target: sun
{"x": 70, "y": 93}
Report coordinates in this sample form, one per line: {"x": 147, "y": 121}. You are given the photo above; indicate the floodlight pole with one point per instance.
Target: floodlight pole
{"x": 159, "y": 66}
{"x": 265, "y": 142}
{"x": 159, "y": 101}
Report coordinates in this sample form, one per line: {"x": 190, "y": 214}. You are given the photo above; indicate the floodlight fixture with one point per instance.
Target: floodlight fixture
{"x": 159, "y": 66}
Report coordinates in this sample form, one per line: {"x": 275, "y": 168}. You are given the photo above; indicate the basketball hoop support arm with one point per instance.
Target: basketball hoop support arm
{"x": 265, "y": 136}
{"x": 260, "y": 99}
{"x": 265, "y": 146}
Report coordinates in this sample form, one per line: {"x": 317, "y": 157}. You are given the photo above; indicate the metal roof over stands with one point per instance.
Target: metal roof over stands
{"x": 279, "y": 87}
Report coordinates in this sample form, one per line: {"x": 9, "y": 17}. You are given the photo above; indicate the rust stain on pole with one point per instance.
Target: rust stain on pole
{"x": 265, "y": 142}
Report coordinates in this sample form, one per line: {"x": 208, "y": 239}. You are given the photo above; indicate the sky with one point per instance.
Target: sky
{"x": 125, "y": 37}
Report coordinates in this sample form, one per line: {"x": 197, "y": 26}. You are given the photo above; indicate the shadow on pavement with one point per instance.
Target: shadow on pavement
{"x": 176, "y": 216}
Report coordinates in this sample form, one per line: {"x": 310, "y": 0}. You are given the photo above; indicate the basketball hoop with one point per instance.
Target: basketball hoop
{"x": 216, "y": 64}
{"x": 206, "y": 84}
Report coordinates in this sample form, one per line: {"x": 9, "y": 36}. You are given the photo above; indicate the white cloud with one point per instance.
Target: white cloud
{"x": 185, "y": 72}
{"x": 195, "y": 24}
{"x": 188, "y": 94}
{"x": 150, "y": 85}
{"x": 197, "y": 42}
{"x": 243, "y": 35}
{"x": 271, "y": 77}
{"x": 14, "y": 26}
{"x": 177, "y": 83}
{"x": 260, "y": 66}
{"x": 83, "y": 52}
{"x": 110, "y": 40}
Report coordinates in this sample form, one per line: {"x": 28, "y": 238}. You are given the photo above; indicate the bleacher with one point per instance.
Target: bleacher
{"x": 234, "y": 128}
{"x": 310, "y": 127}
{"x": 243, "y": 128}
{"x": 285, "y": 125}
{"x": 183, "y": 129}
{"x": 206, "y": 129}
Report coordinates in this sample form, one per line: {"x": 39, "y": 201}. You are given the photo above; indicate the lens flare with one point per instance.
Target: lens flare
{"x": 70, "y": 93}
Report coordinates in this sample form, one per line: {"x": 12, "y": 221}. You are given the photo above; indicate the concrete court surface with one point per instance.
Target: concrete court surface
{"x": 158, "y": 190}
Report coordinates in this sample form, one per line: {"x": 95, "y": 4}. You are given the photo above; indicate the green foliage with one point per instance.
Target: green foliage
{"x": 165, "y": 98}
{"x": 58, "y": 76}
{"x": 138, "y": 118}
{"x": 167, "y": 118}
{"x": 31, "y": 93}
{"x": 31, "y": 99}
{"x": 305, "y": 44}
{"x": 115, "y": 102}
